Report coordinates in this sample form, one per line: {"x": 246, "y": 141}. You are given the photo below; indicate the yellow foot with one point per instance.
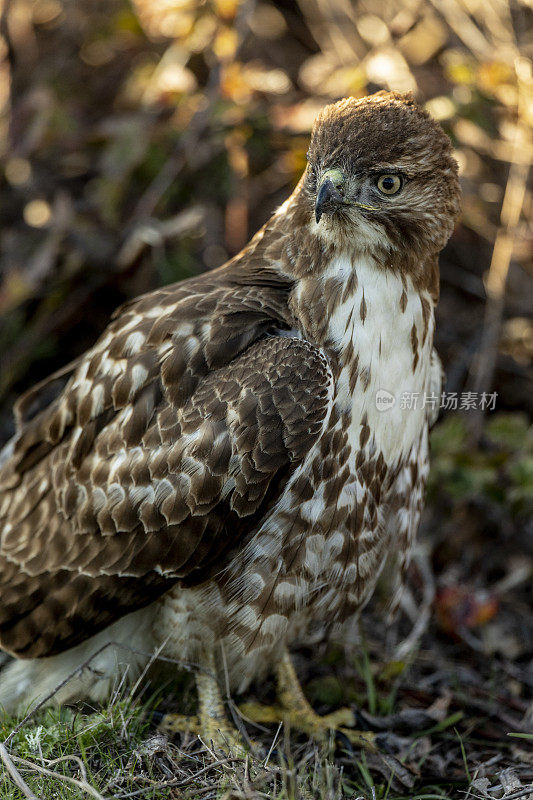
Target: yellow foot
{"x": 215, "y": 733}
{"x": 178, "y": 723}
{"x": 307, "y": 721}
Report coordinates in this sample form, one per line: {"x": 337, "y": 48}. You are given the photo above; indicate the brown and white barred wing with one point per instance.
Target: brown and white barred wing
{"x": 124, "y": 477}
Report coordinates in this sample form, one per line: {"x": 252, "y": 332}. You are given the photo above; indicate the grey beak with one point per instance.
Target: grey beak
{"x": 328, "y": 199}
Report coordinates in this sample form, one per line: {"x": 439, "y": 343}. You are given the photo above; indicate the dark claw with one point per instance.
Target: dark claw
{"x": 362, "y": 723}
{"x": 344, "y": 741}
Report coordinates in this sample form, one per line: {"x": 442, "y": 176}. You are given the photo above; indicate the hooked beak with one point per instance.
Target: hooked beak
{"x": 329, "y": 196}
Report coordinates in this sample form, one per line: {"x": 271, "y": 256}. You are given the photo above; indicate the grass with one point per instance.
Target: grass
{"x": 90, "y": 748}
{"x": 127, "y": 763}
{"x": 115, "y": 752}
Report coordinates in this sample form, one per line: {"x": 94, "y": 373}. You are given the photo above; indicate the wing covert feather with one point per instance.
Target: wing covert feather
{"x": 137, "y": 489}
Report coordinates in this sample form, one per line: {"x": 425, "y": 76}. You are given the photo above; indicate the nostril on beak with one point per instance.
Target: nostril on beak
{"x": 327, "y": 195}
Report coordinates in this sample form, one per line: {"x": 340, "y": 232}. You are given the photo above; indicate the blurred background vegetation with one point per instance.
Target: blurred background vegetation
{"x": 146, "y": 141}
{"x": 143, "y": 142}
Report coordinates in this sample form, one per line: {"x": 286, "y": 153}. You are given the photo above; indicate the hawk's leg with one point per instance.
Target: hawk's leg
{"x": 295, "y": 711}
{"x": 211, "y": 723}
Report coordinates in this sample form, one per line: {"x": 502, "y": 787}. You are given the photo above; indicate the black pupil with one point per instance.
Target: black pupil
{"x": 388, "y": 183}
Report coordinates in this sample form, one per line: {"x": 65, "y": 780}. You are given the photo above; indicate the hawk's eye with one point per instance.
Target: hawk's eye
{"x": 389, "y": 184}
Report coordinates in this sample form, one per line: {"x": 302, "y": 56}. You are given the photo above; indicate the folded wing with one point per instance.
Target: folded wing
{"x": 155, "y": 461}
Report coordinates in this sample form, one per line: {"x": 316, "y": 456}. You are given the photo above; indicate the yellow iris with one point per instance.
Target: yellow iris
{"x": 389, "y": 184}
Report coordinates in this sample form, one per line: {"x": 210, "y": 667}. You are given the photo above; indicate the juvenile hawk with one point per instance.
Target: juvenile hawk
{"x": 216, "y": 472}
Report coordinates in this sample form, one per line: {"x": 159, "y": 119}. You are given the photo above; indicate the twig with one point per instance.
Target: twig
{"x": 527, "y": 790}
{"x": 155, "y": 233}
{"x": 86, "y": 787}
{"x": 463, "y": 26}
{"x": 179, "y": 783}
{"x": 77, "y": 759}
{"x": 153, "y": 658}
{"x": 17, "y": 778}
{"x": 515, "y": 191}
{"x": 184, "y": 150}
{"x": 522, "y": 793}
{"x": 274, "y": 740}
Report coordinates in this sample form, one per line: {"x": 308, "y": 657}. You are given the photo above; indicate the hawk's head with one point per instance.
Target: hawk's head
{"x": 381, "y": 176}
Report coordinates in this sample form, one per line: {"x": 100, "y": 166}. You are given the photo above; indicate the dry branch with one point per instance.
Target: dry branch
{"x": 17, "y": 778}
{"x": 83, "y": 785}
{"x": 483, "y": 366}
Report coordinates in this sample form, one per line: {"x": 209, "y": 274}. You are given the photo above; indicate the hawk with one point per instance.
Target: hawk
{"x": 219, "y": 470}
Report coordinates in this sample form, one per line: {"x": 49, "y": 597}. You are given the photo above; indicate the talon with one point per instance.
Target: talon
{"x": 346, "y": 743}
{"x": 296, "y": 712}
